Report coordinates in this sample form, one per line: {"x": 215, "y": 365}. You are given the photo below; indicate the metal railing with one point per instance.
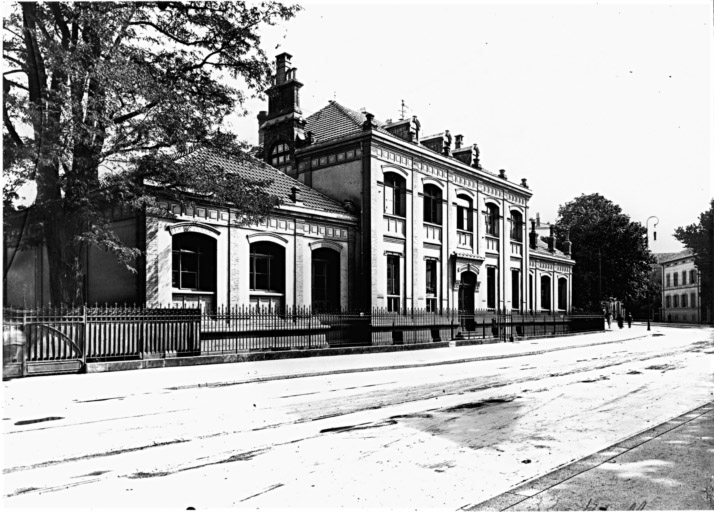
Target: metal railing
{"x": 99, "y": 334}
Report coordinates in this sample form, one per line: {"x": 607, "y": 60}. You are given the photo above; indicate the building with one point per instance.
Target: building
{"x": 203, "y": 254}
{"x": 681, "y": 291}
{"x": 437, "y": 230}
{"x": 374, "y": 215}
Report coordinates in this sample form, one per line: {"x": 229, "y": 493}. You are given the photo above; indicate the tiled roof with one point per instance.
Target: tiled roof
{"x": 543, "y": 249}
{"x": 671, "y": 256}
{"x": 335, "y": 121}
{"x": 281, "y": 184}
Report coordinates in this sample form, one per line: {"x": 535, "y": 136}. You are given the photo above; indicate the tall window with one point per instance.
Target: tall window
{"x": 545, "y": 292}
{"x": 684, "y": 300}
{"x": 684, "y": 277}
{"x": 693, "y": 300}
{"x": 692, "y": 276}
{"x": 267, "y": 267}
{"x": 676, "y": 301}
{"x": 515, "y": 289}
{"x": 432, "y": 204}
{"x": 491, "y": 287}
{"x": 432, "y": 279}
{"x": 492, "y": 219}
{"x": 280, "y": 157}
{"x": 393, "y": 288}
{"x": 667, "y": 285}
{"x": 464, "y": 213}
{"x": 516, "y": 226}
{"x": 676, "y": 278}
{"x": 395, "y": 188}
{"x": 668, "y": 301}
{"x": 193, "y": 262}
{"x": 325, "y": 280}
{"x": 562, "y": 293}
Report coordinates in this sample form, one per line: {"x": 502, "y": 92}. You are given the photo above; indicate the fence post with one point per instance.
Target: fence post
{"x": 25, "y": 343}
{"x": 85, "y": 336}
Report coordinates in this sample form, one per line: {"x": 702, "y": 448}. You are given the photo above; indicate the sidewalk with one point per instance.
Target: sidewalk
{"x": 302, "y": 363}
{"x": 668, "y": 467}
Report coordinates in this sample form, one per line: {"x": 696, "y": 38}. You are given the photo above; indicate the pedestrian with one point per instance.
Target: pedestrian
{"x": 620, "y": 321}
{"x": 608, "y": 317}
{"x": 629, "y": 320}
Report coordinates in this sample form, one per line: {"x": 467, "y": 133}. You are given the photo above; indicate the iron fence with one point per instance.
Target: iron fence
{"x": 42, "y": 340}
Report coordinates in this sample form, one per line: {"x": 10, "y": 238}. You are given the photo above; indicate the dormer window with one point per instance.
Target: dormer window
{"x": 280, "y": 157}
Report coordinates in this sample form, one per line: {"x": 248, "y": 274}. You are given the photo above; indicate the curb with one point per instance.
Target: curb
{"x": 393, "y": 367}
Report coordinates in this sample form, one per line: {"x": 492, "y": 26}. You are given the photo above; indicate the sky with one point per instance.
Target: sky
{"x": 578, "y": 97}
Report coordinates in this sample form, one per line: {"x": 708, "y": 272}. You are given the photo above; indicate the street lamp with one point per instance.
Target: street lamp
{"x": 649, "y": 299}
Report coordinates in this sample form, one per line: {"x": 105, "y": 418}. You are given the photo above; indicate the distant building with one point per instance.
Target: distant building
{"x": 681, "y": 290}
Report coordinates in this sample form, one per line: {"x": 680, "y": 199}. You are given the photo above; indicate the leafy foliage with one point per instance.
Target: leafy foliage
{"x": 610, "y": 252}
{"x": 100, "y": 97}
{"x": 700, "y": 239}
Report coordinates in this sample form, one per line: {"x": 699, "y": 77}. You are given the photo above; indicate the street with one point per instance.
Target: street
{"x": 449, "y": 429}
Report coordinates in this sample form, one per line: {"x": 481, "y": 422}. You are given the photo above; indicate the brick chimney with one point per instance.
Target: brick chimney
{"x": 551, "y": 239}
{"x": 567, "y": 245}
{"x": 282, "y": 66}
{"x": 458, "y": 141}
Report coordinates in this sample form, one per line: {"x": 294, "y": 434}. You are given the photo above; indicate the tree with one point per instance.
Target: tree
{"x": 610, "y": 252}
{"x": 700, "y": 239}
{"x": 101, "y": 97}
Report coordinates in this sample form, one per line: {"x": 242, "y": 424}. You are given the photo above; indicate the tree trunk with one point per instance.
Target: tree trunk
{"x": 66, "y": 263}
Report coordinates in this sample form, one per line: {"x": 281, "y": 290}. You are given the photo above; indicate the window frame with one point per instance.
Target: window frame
{"x": 516, "y": 228}
{"x": 275, "y": 267}
{"x": 493, "y": 215}
{"x": 395, "y": 192}
{"x": 393, "y": 283}
{"x": 432, "y": 198}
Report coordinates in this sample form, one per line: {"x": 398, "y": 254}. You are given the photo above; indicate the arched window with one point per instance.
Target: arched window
{"x": 267, "y": 267}
{"x": 545, "y": 292}
{"x": 562, "y": 293}
{"x": 193, "y": 262}
{"x": 516, "y": 226}
{"x": 432, "y": 204}
{"x": 280, "y": 157}
{"x": 464, "y": 213}
{"x": 395, "y": 188}
{"x": 325, "y": 280}
{"x": 492, "y": 219}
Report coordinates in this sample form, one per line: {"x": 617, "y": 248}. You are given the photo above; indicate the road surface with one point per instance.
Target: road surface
{"x": 444, "y": 436}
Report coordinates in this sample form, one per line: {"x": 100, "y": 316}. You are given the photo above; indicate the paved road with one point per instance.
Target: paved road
{"x": 447, "y": 428}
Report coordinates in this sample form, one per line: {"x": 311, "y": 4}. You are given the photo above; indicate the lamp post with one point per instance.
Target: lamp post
{"x": 649, "y": 299}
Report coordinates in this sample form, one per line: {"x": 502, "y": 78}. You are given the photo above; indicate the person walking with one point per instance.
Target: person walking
{"x": 629, "y": 320}
{"x": 608, "y": 317}
{"x": 620, "y": 321}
